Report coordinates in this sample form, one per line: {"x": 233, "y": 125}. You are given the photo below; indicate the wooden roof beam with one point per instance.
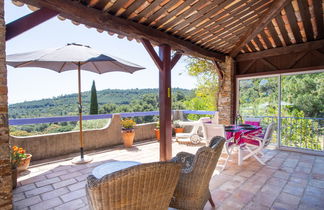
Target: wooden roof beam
{"x": 253, "y": 31}
{"x": 75, "y": 11}
{"x": 307, "y": 46}
{"x": 27, "y": 22}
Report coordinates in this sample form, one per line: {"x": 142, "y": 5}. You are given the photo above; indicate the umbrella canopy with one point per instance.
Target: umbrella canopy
{"x": 70, "y": 57}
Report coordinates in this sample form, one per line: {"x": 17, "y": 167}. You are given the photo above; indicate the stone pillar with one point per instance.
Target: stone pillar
{"x": 5, "y": 169}
{"x": 226, "y": 93}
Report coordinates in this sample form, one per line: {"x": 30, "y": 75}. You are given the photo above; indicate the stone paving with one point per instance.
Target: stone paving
{"x": 289, "y": 180}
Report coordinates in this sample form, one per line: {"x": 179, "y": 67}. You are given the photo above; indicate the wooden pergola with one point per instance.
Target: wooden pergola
{"x": 252, "y": 37}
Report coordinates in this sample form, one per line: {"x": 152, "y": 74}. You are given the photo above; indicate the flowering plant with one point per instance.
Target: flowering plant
{"x": 16, "y": 155}
{"x": 158, "y": 125}
{"x": 176, "y": 124}
{"x": 128, "y": 124}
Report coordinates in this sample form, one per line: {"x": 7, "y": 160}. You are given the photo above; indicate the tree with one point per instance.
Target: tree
{"x": 94, "y": 100}
{"x": 207, "y": 87}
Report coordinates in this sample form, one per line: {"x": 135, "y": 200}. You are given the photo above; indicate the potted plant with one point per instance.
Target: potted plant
{"x": 16, "y": 156}
{"x": 128, "y": 132}
{"x": 177, "y": 127}
{"x": 157, "y": 131}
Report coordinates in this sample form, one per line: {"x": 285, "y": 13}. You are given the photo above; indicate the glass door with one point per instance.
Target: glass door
{"x": 302, "y": 111}
{"x": 295, "y": 102}
{"x": 258, "y": 100}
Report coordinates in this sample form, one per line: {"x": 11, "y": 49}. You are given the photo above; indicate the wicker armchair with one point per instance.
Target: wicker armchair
{"x": 192, "y": 191}
{"x": 146, "y": 186}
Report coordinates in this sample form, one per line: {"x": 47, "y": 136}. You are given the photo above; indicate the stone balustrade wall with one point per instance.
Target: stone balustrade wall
{"x": 53, "y": 145}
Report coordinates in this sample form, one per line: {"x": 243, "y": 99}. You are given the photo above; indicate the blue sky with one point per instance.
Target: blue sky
{"x": 27, "y": 84}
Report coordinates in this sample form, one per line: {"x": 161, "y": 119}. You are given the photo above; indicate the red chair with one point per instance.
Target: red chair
{"x": 253, "y": 121}
{"x": 255, "y": 144}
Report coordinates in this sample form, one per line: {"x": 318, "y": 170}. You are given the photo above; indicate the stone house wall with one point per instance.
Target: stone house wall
{"x": 5, "y": 169}
{"x": 226, "y": 94}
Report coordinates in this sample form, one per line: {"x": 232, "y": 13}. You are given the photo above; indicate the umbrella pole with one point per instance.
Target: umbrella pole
{"x": 80, "y": 109}
{"x": 83, "y": 158}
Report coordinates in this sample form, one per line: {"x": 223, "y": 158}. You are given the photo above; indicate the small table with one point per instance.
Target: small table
{"x": 108, "y": 168}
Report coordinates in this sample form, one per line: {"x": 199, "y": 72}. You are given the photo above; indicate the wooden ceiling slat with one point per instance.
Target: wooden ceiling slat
{"x": 149, "y": 10}
{"x": 283, "y": 30}
{"x": 222, "y": 28}
{"x": 229, "y": 43}
{"x": 273, "y": 11}
{"x": 305, "y": 15}
{"x": 258, "y": 42}
{"x": 245, "y": 49}
{"x": 174, "y": 12}
{"x": 215, "y": 42}
{"x": 237, "y": 30}
{"x": 222, "y": 37}
{"x": 252, "y": 42}
{"x": 231, "y": 30}
{"x": 220, "y": 19}
{"x": 210, "y": 13}
{"x": 115, "y": 7}
{"x": 182, "y": 17}
{"x": 262, "y": 41}
{"x": 203, "y": 13}
{"x": 293, "y": 23}
{"x": 161, "y": 11}
{"x": 265, "y": 39}
{"x": 214, "y": 22}
{"x": 133, "y": 7}
{"x": 98, "y": 4}
{"x": 245, "y": 22}
{"x": 274, "y": 35}
{"x": 318, "y": 9}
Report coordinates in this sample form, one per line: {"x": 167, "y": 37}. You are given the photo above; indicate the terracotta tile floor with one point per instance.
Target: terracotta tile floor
{"x": 288, "y": 181}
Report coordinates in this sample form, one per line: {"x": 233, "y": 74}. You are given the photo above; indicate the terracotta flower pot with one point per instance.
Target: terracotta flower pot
{"x": 157, "y": 133}
{"x": 128, "y": 137}
{"x": 14, "y": 177}
{"x": 24, "y": 163}
{"x": 178, "y": 130}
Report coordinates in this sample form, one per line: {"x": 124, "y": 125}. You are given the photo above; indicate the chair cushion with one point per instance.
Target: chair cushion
{"x": 256, "y": 123}
{"x": 250, "y": 141}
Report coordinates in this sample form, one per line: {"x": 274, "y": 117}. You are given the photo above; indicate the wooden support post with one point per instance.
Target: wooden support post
{"x": 165, "y": 103}
{"x": 165, "y": 64}
{"x": 27, "y": 22}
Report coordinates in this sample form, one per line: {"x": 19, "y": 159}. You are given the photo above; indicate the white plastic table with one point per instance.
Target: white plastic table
{"x": 108, "y": 168}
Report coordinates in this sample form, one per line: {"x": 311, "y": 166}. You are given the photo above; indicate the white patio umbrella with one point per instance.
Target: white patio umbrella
{"x": 70, "y": 57}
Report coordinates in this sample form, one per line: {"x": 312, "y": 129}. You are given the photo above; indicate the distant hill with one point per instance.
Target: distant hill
{"x": 67, "y": 104}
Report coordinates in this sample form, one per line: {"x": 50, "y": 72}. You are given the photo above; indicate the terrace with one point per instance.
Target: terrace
{"x": 250, "y": 38}
{"x": 290, "y": 180}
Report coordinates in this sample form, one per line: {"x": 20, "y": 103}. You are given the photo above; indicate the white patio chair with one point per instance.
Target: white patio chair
{"x": 210, "y": 130}
{"x": 255, "y": 144}
{"x": 193, "y": 135}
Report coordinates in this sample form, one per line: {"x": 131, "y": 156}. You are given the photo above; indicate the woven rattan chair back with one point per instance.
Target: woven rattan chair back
{"x": 141, "y": 187}
{"x": 192, "y": 191}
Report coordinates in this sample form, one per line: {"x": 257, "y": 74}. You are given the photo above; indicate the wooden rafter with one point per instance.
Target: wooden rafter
{"x": 155, "y": 57}
{"x": 176, "y": 57}
{"x": 308, "y": 46}
{"x": 149, "y": 48}
{"x": 75, "y": 11}
{"x": 275, "y": 9}
{"x": 27, "y": 22}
